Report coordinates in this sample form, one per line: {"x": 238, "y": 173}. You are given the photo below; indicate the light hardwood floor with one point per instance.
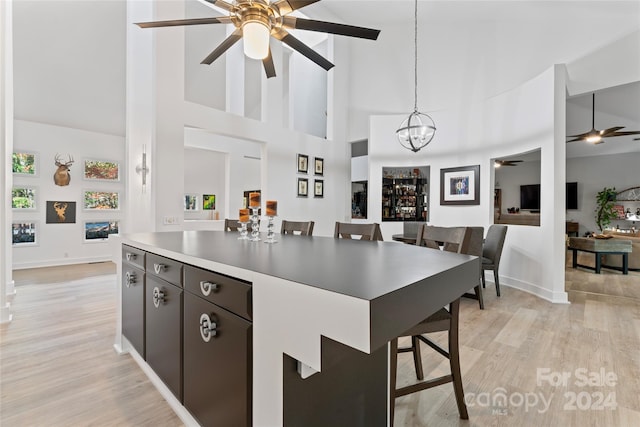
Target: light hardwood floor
{"x": 58, "y": 366}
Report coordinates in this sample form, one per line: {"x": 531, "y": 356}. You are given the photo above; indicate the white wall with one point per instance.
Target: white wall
{"x": 516, "y": 121}
{"x": 204, "y": 173}
{"x": 60, "y": 244}
{"x": 592, "y": 174}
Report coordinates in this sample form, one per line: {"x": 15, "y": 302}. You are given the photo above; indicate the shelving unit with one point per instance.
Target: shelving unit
{"x": 405, "y": 199}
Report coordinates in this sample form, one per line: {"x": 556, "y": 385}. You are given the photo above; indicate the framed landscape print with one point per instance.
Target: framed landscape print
{"x": 99, "y": 231}
{"x": 101, "y": 170}
{"x": 103, "y": 200}
{"x": 318, "y": 188}
{"x": 190, "y": 202}
{"x": 303, "y": 163}
{"x": 208, "y": 202}
{"x": 25, "y": 163}
{"x": 460, "y": 186}
{"x": 61, "y": 212}
{"x": 24, "y": 233}
{"x": 24, "y": 198}
{"x": 318, "y": 166}
{"x": 303, "y": 190}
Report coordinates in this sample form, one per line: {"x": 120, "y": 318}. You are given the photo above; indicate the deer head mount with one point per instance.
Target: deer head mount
{"x": 61, "y": 210}
{"x": 62, "y": 176}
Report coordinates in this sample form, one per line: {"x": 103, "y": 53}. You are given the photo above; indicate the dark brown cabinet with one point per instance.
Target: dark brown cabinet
{"x": 217, "y": 364}
{"x": 404, "y": 199}
{"x": 163, "y": 339}
{"x": 133, "y": 281}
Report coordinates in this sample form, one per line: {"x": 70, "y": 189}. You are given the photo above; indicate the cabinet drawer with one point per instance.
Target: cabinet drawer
{"x": 227, "y": 292}
{"x": 165, "y": 268}
{"x": 133, "y": 256}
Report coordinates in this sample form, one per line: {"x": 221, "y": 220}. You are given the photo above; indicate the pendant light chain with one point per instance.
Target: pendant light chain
{"x": 415, "y": 56}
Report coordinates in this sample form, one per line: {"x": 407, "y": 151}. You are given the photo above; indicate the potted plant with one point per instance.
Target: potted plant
{"x": 605, "y": 211}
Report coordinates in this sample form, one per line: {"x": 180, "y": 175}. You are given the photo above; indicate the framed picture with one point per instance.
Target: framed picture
{"x": 208, "y": 202}
{"x": 303, "y": 184}
{"x": 460, "y": 186}
{"x": 98, "y": 231}
{"x": 303, "y": 163}
{"x": 25, "y": 163}
{"x": 101, "y": 170}
{"x": 103, "y": 200}
{"x": 318, "y": 168}
{"x": 190, "y": 202}
{"x": 24, "y": 198}
{"x": 24, "y": 233}
{"x": 60, "y": 212}
{"x": 318, "y": 188}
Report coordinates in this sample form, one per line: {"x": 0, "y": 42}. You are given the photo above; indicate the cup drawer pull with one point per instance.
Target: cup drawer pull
{"x": 130, "y": 256}
{"x": 158, "y": 268}
{"x": 207, "y": 287}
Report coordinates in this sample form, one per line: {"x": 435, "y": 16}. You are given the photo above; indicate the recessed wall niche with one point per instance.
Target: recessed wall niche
{"x": 517, "y": 198}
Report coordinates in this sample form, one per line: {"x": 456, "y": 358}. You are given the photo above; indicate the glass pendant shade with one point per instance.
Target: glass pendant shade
{"x": 416, "y": 131}
{"x": 255, "y": 35}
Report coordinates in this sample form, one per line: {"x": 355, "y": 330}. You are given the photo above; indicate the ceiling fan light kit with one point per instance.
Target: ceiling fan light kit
{"x": 258, "y": 20}
{"x": 417, "y": 130}
{"x": 595, "y": 136}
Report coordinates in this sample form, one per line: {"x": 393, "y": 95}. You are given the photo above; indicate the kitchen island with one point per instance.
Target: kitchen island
{"x": 319, "y": 315}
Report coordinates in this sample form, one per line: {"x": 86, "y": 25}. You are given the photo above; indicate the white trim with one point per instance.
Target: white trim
{"x": 59, "y": 262}
{"x": 530, "y": 288}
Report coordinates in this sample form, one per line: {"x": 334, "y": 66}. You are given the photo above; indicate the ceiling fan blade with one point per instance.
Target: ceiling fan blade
{"x": 222, "y": 48}
{"x": 607, "y": 132}
{"x": 269, "y": 68}
{"x": 178, "y": 22}
{"x": 583, "y": 135}
{"x": 222, "y": 4}
{"x": 631, "y": 132}
{"x": 295, "y": 44}
{"x": 574, "y": 140}
{"x": 287, "y": 6}
{"x": 330, "y": 27}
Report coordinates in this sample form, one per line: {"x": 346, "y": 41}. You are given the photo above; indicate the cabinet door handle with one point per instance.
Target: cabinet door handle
{"x": 158, "y": 297}
{"x": 130, "y": 256}
{"x": 159, "y": 267}
{"x": 207, "y": 327}
{"x": 207, "y": 287}
{"x": 129, "y": 278}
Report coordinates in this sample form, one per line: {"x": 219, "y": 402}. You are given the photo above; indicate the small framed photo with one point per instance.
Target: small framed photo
{"x": 101, "y": 200}
{"x": 99, "y": 231}
{"x": 208, "y": 202}
{"x": 460, "y": 186}
{"x": 59, "y": 212}
{"x": 318, "y": 168}
{"x": 24, "y": 198}
{"x": 24, "y": 163}
{"x": 101, "y": 170}
{"x": 24, "y": 233}
{"x": 303, "y": 163}
{"x": 318, "y": 188}
{"x": 303, "y": 187}
{"x": 190, "y": 202}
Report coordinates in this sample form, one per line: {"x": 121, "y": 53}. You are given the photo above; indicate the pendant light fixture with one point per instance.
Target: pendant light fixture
{"x": 417, "y": 130}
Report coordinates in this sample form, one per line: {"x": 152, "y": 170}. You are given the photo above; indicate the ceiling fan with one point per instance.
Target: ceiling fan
{"x": 258, "y": 20}
{"x": 499, "y": 163}
{"x": 595, "y": 136}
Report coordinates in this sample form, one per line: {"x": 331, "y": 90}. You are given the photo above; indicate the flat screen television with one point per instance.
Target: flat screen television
{"x": 572, "y": 195}
{"x": 530, "y": 197}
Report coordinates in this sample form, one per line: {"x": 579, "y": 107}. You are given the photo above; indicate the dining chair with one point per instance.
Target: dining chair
{"x": 304, "y": 228}
{"x": 474, "y": 247}
{"x": 492, "y": 252}
{"x": 347, "y": 230}
{"x": 234, "y": 225}
{"x": 455, "y": 239}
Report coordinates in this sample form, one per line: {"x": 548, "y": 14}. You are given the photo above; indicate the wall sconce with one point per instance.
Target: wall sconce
{"x": 143, "y": 169}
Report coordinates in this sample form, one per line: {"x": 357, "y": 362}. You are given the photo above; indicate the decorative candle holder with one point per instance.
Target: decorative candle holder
{"x": 243, "y": 231}
{"x": 270, "y": 232}
{"x": 255, "y": 225}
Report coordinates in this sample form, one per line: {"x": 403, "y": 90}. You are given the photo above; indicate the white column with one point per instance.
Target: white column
{"x": 155, "y": 104}
{"x": 6, "y": 134}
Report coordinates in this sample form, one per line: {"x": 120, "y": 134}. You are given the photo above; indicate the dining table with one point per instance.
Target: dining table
{"x": 323, "y": 311}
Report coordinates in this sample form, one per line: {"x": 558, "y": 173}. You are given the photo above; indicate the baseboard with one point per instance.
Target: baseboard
{"x": 60, "y": 262}
{"x": 530, "y": 288}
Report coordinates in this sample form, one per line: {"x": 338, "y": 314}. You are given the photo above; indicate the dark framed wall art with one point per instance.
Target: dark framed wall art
{"x": 460, "y": 186}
